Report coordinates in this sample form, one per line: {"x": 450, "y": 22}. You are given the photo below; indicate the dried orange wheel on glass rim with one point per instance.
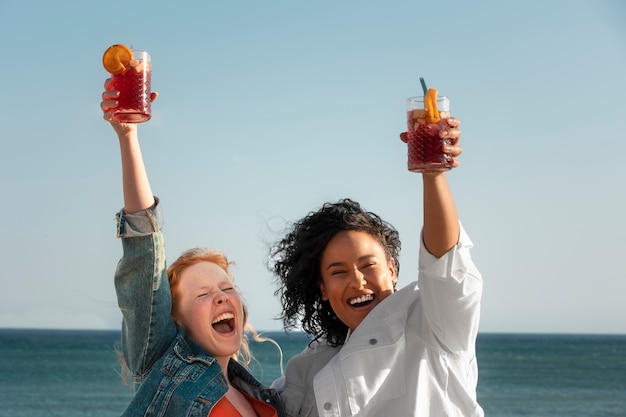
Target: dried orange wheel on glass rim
{"x": 116, "y": 58}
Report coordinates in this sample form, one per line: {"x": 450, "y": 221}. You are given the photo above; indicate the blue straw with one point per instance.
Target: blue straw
{"x": 423, "y": 86}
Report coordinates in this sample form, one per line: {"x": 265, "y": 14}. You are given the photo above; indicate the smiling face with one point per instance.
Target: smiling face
{"x": 356, "y": 275}
{"x": 209, "y": 308}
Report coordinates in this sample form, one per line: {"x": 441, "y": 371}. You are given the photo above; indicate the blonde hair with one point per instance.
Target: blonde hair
{"x": 191, "y": 257}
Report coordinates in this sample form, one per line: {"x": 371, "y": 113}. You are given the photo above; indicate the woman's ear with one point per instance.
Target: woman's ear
{"x": 323, "y": 291}
{"x": 392, "y": 272}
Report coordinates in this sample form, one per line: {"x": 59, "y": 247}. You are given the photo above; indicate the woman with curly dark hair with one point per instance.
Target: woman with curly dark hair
{"x": 301, "y": 252}
{"x": 377, "y": 350}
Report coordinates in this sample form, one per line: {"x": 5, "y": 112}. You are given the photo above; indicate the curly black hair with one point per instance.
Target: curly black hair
{"x": 296, "y": 263}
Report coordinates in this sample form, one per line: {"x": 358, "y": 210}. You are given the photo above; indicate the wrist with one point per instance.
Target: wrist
{"x": 433, "y": 176}
{"x": 125, "y": 131}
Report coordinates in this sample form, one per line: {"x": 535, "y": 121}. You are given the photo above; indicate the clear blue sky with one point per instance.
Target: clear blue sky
{"x": 269, "y": 108}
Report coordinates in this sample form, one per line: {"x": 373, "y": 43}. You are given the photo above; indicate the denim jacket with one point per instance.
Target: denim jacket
{"x": 173, "y": 375}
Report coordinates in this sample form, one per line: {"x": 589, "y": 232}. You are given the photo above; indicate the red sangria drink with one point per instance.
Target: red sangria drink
{"x": 131, "y": 76}
{"x": 424, "y": 122}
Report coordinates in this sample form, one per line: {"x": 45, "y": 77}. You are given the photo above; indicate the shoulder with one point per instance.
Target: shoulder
{"x": 307, "y": 363}
{"x": 394, "y": 307}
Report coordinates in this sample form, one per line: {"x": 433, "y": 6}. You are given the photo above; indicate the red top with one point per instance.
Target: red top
{"x": 225, "y": 408}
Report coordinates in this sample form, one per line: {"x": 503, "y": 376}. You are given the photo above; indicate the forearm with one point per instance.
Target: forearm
{"x": 441, "y": 221}
{"x": 137, "y": 191}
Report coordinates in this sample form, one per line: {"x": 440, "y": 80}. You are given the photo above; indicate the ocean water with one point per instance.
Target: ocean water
{"x": 76, "y": 373}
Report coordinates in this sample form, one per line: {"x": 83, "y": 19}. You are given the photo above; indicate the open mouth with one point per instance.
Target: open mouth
{"x": 361, "y": 301}
{"x": 224, "y": 323}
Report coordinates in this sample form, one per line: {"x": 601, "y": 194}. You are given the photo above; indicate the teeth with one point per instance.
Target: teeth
{"x": 361, "y": 299}
{"x": 223, "y": 316}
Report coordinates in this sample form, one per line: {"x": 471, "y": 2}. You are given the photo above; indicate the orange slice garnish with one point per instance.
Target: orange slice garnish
{"x": 430, "y": 104}
{"x": 116, "y": 58}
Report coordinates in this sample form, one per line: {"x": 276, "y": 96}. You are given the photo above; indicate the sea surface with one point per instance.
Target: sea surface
{"x": 72, "y": 373}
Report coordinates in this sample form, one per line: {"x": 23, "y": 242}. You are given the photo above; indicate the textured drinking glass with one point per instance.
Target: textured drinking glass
{"x": 134, "y": 87}
{"x": 425, "y": 147}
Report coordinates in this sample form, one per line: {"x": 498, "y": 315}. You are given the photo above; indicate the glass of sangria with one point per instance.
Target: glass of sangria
{"x": 130, "y": 75}
{"x": 424, "y": 122}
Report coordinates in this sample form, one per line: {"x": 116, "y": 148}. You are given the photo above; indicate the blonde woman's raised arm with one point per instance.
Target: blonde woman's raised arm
{"x": 137, "y": 191}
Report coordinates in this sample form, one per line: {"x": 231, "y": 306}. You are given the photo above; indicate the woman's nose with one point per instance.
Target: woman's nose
{"x": 358, "y": 278}
{"x": 220, "y": 298}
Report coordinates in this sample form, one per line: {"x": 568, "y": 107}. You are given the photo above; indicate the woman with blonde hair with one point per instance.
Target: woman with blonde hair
{"x": 183, "y": 326}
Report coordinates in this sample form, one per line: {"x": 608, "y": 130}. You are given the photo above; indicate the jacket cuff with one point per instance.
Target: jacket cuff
{"x": 142, "y": 223}
{"x": 453, "y": 264}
